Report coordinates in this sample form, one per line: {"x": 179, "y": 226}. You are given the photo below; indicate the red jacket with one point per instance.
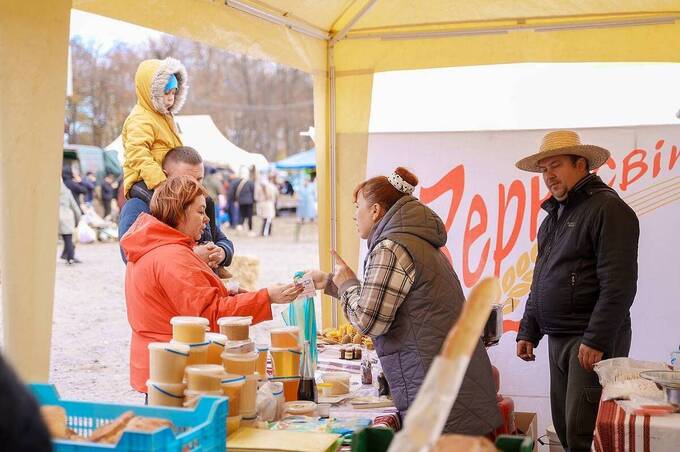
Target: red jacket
{"x": 165, "y": 278}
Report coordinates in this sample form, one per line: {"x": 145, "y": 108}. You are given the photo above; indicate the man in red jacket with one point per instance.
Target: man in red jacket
{"x": 165, "y": 278}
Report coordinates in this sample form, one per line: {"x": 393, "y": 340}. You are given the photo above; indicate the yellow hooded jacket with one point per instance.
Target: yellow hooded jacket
{"x": 149, "y": 132}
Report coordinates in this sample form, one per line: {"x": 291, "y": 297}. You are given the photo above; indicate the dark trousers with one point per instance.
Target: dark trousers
{"x": 246, "y": 211}
{"x": 574, "y": 391}
{"x": 69, "y": 252}
{"x": 267, "y": 226}
{"x": 234, "y": 219}
{"x": 107, "y": 207}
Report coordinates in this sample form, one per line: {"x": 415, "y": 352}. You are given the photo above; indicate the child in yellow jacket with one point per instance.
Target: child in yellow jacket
{"x": 149, "y": 131}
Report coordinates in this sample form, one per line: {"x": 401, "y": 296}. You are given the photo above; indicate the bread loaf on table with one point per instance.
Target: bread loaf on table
{"x": 147, "y": 424}
{"x": 110, "y": 433}
{"x": 55, "y": 418}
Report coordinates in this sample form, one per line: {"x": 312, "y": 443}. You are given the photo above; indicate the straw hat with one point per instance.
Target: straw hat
{"x": 564, "y": 142}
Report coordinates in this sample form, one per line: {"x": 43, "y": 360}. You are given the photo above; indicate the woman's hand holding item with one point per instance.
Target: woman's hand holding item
{"x": 284, "y": 293}
{"x": 320, "y": 278}
{"x": 342, "y": 271}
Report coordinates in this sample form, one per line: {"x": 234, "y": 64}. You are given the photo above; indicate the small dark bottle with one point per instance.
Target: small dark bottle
{"x": 383, "y": 386}
{"x": 307, "y": 389}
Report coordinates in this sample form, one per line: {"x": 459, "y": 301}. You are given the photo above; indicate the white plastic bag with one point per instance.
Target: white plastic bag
{"x": 266, "y": 404}
{"x": 85, "y": 233}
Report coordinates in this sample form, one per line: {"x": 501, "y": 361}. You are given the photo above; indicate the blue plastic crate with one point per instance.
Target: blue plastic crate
{"x": 200, "y": 429}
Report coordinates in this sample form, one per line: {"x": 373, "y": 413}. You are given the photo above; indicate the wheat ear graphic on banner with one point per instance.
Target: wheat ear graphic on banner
{"x": 516, "y": 283}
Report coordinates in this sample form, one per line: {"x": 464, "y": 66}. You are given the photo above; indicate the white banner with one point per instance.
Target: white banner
{"x": 492, "y": 213}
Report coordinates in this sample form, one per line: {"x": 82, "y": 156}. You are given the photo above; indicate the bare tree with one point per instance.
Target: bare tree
{"x": 258, "y": 105}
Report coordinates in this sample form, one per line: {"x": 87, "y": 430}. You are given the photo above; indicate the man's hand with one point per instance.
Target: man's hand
{"x": 588, "y": 357}
{"x": 320, "y": 278}
{"x": 342, "y": 271}
{"x": 525, "y": 350}
{"x": 284, "y": 293}
{"x": 209, "y": 253}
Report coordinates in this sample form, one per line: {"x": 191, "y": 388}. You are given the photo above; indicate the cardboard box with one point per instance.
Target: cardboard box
{"x": 527, "y": 424}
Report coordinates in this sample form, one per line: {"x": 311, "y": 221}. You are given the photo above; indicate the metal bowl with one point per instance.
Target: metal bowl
{"x": 668, "y": 380}
{"x": 672, "y": 395}
{"x": 665, "y": 378}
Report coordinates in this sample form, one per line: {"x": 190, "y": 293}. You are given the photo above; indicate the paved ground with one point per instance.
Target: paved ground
{"x": 91, "y": 335}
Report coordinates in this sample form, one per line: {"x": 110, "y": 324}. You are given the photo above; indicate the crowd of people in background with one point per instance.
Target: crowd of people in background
{"x": 86, "y": 189}
{"x": 250, "y": 201}
{"x": 77, "y": 198}
{"x": 260, "y": 194}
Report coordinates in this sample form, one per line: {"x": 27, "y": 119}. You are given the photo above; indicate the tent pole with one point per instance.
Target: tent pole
{"x": 346, "y": 29}
{"x": 333, "y": 168}
{"x": 293, "y": 24}
{"x": 333, "y": 119}
{"x": 537, "y": 28}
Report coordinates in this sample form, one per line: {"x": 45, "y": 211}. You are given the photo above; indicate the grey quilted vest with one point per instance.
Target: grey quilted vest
{"x": 424, "y": 319}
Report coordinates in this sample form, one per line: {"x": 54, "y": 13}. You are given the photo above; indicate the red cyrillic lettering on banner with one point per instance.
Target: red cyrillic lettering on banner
{"x": 471, "y": 234}
{"x": 502, "y": 250}
{"x": 629, "y": 166}
{"x": 453, "y": 181}
{"x": 656, "y": 168}
{"x": 674, "y": 157}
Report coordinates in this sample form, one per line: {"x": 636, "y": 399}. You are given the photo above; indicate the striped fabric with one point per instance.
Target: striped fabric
{"x": 618, "y": 430}
{"x": 388, "y": 277}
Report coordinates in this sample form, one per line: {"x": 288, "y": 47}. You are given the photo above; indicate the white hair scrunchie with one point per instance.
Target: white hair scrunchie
{"x": 400, "y": 184}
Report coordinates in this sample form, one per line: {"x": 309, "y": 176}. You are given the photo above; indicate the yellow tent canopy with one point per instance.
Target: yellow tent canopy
{"x": 341, "y": 43}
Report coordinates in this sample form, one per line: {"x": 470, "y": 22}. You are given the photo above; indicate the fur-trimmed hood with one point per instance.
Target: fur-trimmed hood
{"x": 150, "y": 81}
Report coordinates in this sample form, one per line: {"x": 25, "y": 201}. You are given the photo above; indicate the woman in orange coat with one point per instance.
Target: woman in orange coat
{"x": 165, "y": 278}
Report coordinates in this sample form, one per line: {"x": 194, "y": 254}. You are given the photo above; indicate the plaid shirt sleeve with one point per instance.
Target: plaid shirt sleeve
{"x": 388, "y": 277}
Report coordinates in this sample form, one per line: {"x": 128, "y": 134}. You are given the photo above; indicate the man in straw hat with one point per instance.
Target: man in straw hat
{"x": 584, "y": 281}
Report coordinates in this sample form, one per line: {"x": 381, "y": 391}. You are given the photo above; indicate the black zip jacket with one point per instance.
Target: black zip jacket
{"x": 585, "y": 278}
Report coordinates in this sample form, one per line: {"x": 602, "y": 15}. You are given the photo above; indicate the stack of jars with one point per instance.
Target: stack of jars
{"x": 211, "y": 379}
{"x": 192, "y": 364}
{"x": 240, "y": 359}
{"x": 286, "y": 352}
{"x": 166, "y": 373}
{"x": 167, "y": 361}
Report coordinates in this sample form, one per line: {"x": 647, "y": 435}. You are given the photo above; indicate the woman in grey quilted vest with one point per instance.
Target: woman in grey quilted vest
{"x": 409, "y": 299}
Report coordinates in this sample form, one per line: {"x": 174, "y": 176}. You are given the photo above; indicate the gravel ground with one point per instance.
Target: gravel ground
{"x": 91, "y": 335}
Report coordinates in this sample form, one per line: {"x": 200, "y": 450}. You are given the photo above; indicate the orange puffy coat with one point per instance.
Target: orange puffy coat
{"x": 165, "y": 278}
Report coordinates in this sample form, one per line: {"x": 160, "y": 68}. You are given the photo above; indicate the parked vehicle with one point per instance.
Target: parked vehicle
{"x": 84, "y": 158}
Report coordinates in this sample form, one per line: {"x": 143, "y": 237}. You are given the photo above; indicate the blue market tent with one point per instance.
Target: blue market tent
{"x": 299, "y": 161}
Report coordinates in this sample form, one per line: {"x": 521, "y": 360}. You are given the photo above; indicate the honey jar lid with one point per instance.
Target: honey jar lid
{"x": 300, "y": 407}
{"x": 196, "y": 344}
{"x": 216, "y": 338}
{"x": 173, "y": 347}
{"x": 237, "y": 321}
{"x": 189, "y": 321}
{"x": 232, "y": 379}
{"x": 206, "y": 369}
{"x": 285, "y": 329}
